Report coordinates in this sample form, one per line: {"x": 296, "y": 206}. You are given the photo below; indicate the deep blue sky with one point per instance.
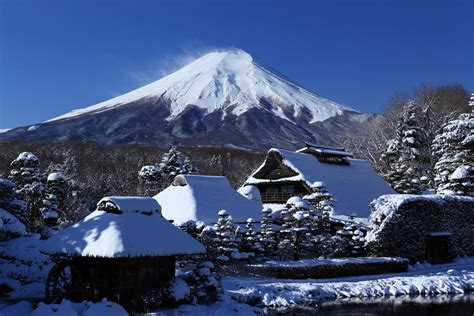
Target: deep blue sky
{"x": 61, "y": 55}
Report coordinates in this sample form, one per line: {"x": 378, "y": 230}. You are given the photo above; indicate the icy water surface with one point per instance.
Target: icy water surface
{"x": 458, "y": 305}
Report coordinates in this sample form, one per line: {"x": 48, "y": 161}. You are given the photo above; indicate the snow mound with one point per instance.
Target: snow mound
{"x": 200, "y": 198}
{"x": 226, "y": 79}
{"x": 134, "y": 231}
{"x": 251, "y": 192}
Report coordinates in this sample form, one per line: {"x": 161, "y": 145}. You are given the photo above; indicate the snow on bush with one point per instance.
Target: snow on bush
{"x": 21, "y": 259}
{"x": 400, "y": 224}
{"x": 10, "y": 226}
{"x": 326, "y": 268}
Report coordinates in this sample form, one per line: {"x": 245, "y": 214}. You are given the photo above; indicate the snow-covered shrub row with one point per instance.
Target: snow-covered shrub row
{"x": 400, "y": 224}
{"x": 326, "y": 268}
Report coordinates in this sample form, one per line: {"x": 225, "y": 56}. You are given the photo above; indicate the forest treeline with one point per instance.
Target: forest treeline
{"x": 100, "y": 171}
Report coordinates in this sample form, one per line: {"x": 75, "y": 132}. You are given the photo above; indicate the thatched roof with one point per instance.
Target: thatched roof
{"x": 123, "y": 227}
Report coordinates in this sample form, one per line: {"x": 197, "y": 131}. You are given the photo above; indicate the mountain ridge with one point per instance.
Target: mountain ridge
{"x": 223, "y": 98}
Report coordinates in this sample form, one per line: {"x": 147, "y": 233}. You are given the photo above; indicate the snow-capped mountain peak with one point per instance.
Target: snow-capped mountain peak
{"x": 223, "y": 79}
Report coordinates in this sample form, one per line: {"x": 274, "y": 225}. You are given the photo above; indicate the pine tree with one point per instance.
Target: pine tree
{"x": 267, "y": 234}
{"x": 251, "y": 241}
{"x": 54, "y": 210}
{"x": 407, "y": 157}
{"x": 149, "y": 178}
{"x": 226, "y": 239}
{"x": 208, "y": 237}
{"x": 323, "y": 204}
{"x": 296, "y": 221}
{"x": 351, "y": 241}
{"x": 454, "y": 149}
{"x": 29, "y": 180}
{"x": 174, "y": 163}
{"x": 191, "y": 228}
{"x": 153, "y": 179}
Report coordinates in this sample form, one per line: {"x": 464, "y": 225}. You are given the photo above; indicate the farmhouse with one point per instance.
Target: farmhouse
{"x": 200, "y": 198}
{"x": 120, "y": 251}
{"x": 352, "y": 182}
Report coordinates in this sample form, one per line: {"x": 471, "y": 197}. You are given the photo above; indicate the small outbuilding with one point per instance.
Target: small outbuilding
{"x": 200, "y": 198}
{"x": 120, "y": 251}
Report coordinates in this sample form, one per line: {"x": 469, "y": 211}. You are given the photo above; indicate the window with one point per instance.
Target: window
{"x": 273, "y": 190}
{"x": 287, "y": 188}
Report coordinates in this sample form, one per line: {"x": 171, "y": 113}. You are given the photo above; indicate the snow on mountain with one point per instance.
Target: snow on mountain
{"x": 219, "y": 80}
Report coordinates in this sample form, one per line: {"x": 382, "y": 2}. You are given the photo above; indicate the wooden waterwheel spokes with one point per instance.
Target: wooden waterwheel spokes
{"x": 65, "y": 281}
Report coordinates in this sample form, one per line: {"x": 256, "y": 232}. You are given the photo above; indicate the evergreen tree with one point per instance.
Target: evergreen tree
{"x": 267, "y": 234}
{"x": 191, "y": 228}
{"x": 454, "y": 149}
{"x": 54, "y": 205}
{"x": 295, "y": 233}
{"x": 251, "y": 241}
{"x": 208, "y": 237}
{"x": 174, "y": 163}
{"x": 352, "y": 240}
{"x": 323, "y": 204}
{"x": 152, "y": 179}
{"x": 226, "y": 239}
{"x": 407, "y": 157}
{"x": 149, "y": 178}
{"x": 29, "y": 180}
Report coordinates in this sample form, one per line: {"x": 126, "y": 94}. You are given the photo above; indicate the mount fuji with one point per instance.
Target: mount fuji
{"x": 223, "y": 98}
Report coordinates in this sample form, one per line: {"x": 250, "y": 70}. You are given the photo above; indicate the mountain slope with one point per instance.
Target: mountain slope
{"x": 220, "y": 99}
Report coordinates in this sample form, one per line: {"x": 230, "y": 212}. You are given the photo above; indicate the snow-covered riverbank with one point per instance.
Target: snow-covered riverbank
{"x": 451, "y": 278}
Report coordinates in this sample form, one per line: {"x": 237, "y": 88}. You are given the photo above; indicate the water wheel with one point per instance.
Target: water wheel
{"x": 65, "y": 280}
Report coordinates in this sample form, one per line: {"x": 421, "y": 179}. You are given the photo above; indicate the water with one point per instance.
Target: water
{"x": 401, "y": 306}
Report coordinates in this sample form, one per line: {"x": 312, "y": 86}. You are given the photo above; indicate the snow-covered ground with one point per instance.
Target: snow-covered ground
{"x": 451, "y": 278}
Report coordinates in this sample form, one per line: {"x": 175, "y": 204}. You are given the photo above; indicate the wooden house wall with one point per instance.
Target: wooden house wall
{"x": 273, "y": 193}
{"x": 124, "y": 277}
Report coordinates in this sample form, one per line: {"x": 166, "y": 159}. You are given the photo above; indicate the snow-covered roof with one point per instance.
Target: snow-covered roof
{"x": 325, "y": 150}
{"x": 132, "y": 233}
{"x": 353, "y": 186}
{"x": 130, "y": 204}
{"x": 200, "y": 198}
